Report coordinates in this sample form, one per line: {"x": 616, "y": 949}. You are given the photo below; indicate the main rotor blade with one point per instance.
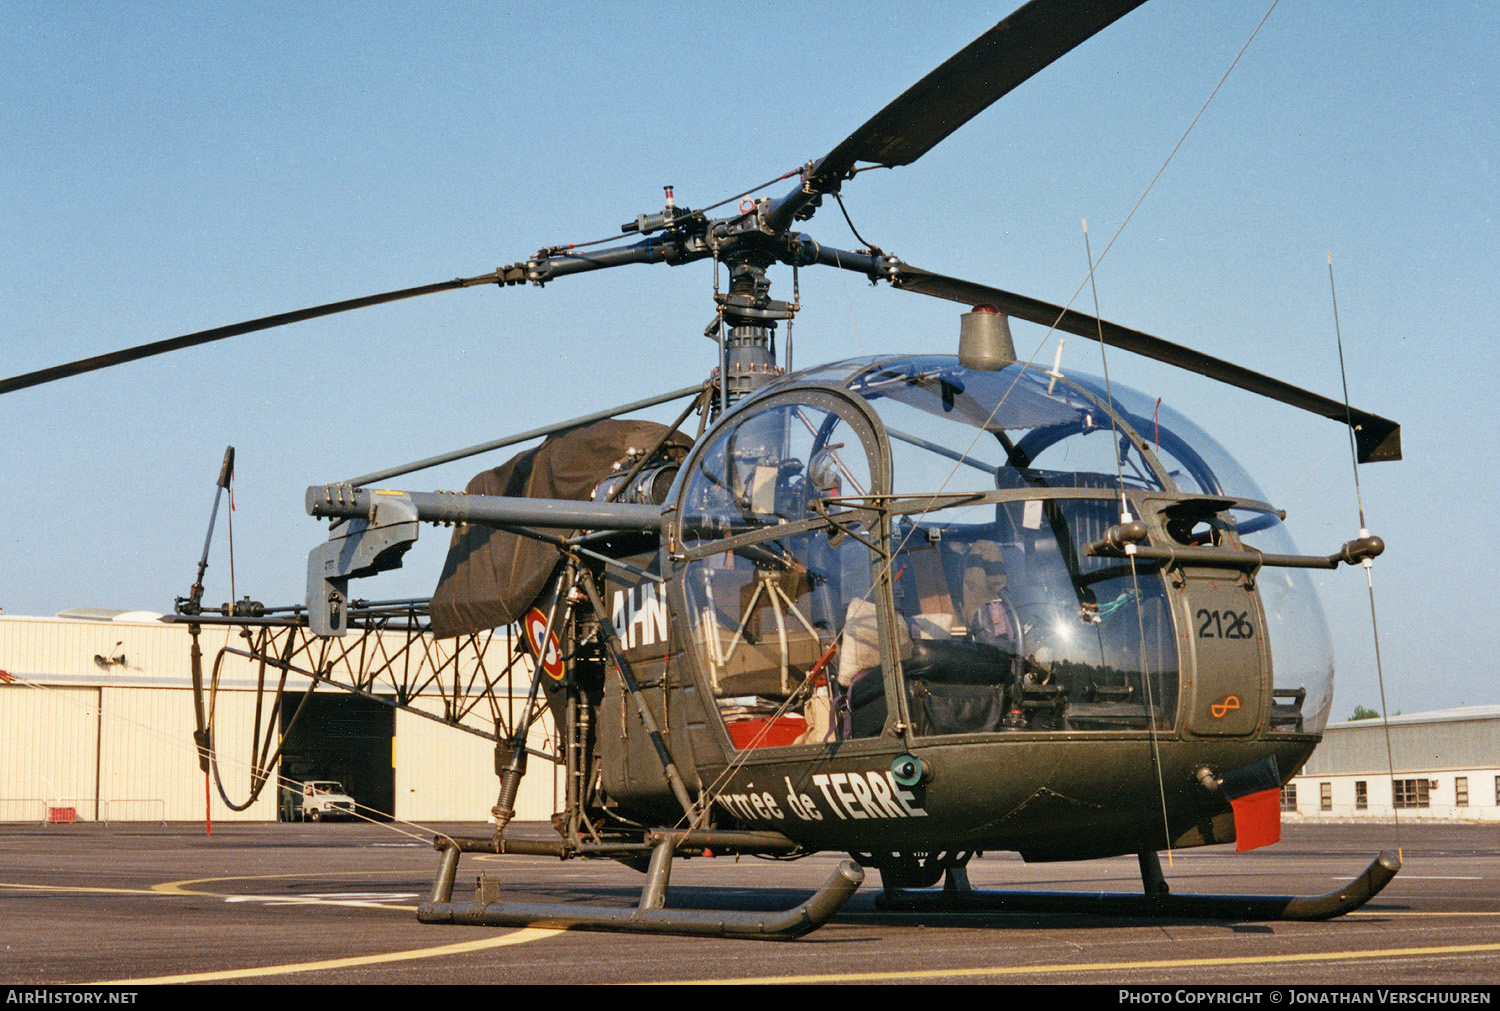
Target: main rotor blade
{"x": 969, "y": 82}
{"x": 233, "y": 330}
{"x": 1376, "y": 438}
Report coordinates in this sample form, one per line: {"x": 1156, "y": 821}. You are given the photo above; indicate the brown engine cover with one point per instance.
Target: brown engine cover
{"x": 490, "y": 576}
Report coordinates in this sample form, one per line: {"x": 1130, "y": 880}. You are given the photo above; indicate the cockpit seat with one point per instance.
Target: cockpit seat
{"x": 864, "y": 706}
{"x": 958, "y": 686}
{"x": 959, "y": 662}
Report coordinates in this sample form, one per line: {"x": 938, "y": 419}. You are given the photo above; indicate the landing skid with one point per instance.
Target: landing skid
{"x": 958, "y": 896}
{"x": 649, "y": 917}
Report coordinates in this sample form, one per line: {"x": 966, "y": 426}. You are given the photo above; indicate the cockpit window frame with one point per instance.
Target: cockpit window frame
{"x": 860, "y": 418}
{"x": 880, "y": 508}
{"x": 1089, "y": 388}
{"x": 851, "y": 409}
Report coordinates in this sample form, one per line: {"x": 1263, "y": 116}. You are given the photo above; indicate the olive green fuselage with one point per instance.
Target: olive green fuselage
{"x": 1048, "y": 795}
{"x": 902, "y": 605}
{"x": 1046, "y": 798}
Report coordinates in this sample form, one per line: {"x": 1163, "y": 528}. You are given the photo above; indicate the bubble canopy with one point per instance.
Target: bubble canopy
{"x": 893, "y": 544}
{"x": 996, "y": 424}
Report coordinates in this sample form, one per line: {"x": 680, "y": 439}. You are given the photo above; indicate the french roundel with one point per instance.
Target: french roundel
{"x": 536, "y": 626}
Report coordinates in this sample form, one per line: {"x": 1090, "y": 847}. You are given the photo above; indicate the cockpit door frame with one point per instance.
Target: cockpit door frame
{"x": 863, "y": 421}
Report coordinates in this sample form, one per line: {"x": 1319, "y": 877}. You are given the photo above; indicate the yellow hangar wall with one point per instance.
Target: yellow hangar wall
{"x": 447, "y": 775}
{"x": 116, "y": 753}
{"x": 97, "y": 717}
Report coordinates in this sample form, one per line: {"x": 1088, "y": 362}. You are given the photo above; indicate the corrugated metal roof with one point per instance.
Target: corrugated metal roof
{"x": 1464, "y": 738}
{"x": 1460, "y": 714}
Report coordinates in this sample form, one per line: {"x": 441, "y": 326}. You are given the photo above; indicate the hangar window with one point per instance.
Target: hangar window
{"x": 1411, "y": 793}
{"x": 1289, "y": 798}
{"x": 1361, "y": 795}
{"x": 1461, "y": 791}
{"x": 1325, "y": 796}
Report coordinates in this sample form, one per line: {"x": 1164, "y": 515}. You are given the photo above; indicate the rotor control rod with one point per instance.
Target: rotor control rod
{"x": 1129, "y": 539}
{"x": 339, "y": 500}
{"x": 364, "y": 480}
{"x": 673, "y": 250}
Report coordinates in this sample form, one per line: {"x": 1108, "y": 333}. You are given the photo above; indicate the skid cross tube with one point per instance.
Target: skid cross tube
{"x": 650, "y": 916}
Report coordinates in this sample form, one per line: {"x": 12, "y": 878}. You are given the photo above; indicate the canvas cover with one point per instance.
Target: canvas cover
{"x": 491, "y": 577}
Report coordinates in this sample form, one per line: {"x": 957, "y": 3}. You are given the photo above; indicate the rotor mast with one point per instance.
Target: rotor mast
{"x": 749, "y": 328}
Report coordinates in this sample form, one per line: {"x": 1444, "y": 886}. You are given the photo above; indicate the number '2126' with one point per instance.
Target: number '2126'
{"x": 1225, "y": 624}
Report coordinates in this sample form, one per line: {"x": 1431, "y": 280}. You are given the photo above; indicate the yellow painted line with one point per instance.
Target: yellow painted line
{"x": 172, "y": 888}
{"x": 291, "y": 900}
{"x": 463, "y": 947}
{"x": 79, "y": 888}
{"x": 180, "y": 887}
{"x": 1023, "y": 970}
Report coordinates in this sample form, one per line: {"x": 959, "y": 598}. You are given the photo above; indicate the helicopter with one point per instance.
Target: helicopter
{"x": 907, "y": 607}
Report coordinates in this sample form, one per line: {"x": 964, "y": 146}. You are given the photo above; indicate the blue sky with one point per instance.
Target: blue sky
{"x": 171, "y": 167}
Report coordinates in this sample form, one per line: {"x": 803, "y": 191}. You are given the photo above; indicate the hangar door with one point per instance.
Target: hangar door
{"x": 341, "y": 737}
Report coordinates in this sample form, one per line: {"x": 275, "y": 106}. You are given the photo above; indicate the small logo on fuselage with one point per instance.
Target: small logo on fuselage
{"x": 1224, "y": 707}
